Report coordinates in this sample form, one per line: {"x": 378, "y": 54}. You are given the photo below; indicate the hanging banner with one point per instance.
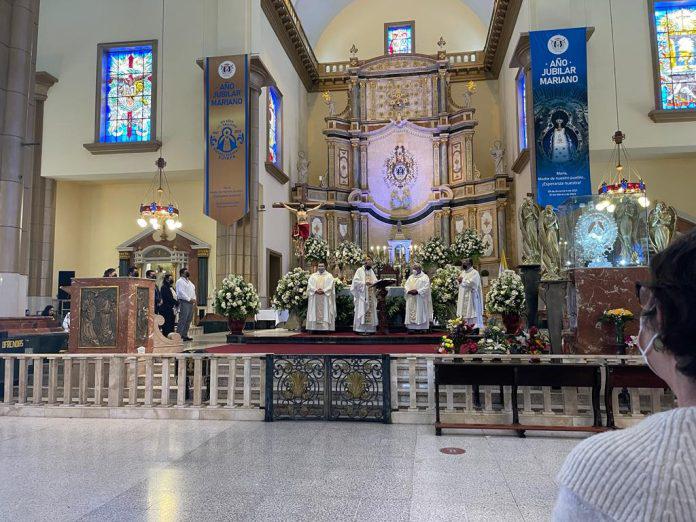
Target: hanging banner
{"x": 227, "y": 138}
{"x": 561, "y": 130}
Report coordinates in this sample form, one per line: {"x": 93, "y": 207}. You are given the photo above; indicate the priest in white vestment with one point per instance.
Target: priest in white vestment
{"x": 419, "y": 301}
{"x": 470, "y": 301}
{"x": 321, "y": 301}
{"x": 364, "y": 299}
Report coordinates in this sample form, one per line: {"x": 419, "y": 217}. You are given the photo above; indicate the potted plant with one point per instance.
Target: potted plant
{"x": 237, "y": 300}
{"x": 618, "y": 317}
{"x": 434, "y": 254}
{"x": 291, "y": 295}
{"x": 468, "y": 244}
{"x": 506, "y": 297}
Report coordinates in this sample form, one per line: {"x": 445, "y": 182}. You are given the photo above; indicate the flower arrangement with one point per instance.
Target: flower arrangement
{"x": 236, "y": 299}
{"x": 506, "y": 295}
{"x": 434, "y": 253}
{"x": 316, "y": 249}
{"x": 616, "y": 316}
{"x": 291, "y": 292}
{"x": 348, "y": 254}
{"x": 532, "y": 341}
{"x": 467, "y": 244}
{"x": 446, "y": 346}
{"x": 459, "y": 331}
{"x": 494, "y": 341}
{"x": 445, "y": 290}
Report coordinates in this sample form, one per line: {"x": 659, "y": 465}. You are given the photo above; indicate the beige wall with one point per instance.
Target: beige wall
{"x": 362, "y": 23}
{"x": 93, "y": 218}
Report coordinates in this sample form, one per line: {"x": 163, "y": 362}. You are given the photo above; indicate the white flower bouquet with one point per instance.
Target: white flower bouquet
{"x": 236, "y": 299}
{"x": 445, "y": 291}
{"x": 348, "y": 254}
{"x": 291, "y": 292}
{"x": 468, "y": 244}
{"x": 506, "y": 295}
{"x": 316, "y": 249}
{"x": 434, "y": 253}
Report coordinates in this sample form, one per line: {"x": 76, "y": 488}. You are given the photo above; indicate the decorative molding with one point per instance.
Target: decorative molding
{"x": 500, "y": 31}
{"x": 277, "y": 173}
{"x": 521, "y": 162}
{"x": 672, "y": 116}
{"x": 43, "y": 82}
{"x": 123, "y": 147}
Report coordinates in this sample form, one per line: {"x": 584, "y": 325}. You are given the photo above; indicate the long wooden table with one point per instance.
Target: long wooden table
{"x": 515, "y": 375}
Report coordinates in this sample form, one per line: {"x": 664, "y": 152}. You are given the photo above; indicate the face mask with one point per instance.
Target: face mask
{"x": 187, "y": 274}
{"x": 321, "y": 269}
{"x": 368, "y": 267}
{"x": 644, "y": 351}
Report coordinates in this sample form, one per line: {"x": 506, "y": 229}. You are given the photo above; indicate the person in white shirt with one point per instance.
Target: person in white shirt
{"x": 364, "y": 299}
{"x": 186, "y": 294}
{"x": 419, "y": 302}
{"x": 470, "y": 299}
{"x": 321, "y": 301}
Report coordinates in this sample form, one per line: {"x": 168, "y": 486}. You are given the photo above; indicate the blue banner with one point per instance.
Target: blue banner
{"x": 561, "y": 130}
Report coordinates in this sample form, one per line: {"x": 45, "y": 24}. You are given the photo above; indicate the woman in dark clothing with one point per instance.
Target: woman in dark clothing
{"x": 169, "y": 302}
{"x": 49, "y": 311}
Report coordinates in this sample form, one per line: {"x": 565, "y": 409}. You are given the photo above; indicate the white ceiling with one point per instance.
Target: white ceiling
{"x": 315, "y": 15}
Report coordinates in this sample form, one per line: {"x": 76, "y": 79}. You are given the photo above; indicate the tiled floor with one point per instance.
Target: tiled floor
{"x": 72, "y": 469}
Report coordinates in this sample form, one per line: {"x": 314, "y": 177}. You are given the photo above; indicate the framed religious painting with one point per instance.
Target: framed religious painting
{"x": 400, "y": 37}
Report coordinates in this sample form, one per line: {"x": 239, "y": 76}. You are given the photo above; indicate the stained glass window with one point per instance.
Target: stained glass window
{"x": 399, "y": 38}
{"x": 521, "y": 110}
{"x": 675, "y": 28}
{"x": 127, "y": 94}
{"x": 275, "y": 132}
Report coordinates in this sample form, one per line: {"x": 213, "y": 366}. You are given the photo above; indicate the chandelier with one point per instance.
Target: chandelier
{"x": 160, "y": 212}
{"x": 622, "y": 180}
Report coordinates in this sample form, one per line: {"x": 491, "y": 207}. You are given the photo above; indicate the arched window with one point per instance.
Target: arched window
{"x": 673, "y": 30}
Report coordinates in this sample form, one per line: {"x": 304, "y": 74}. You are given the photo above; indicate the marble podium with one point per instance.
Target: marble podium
{"x": 111, "y": 315}
{"x": 591, "y": 292}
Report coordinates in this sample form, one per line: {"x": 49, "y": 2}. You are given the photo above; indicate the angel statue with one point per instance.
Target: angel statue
{"x": 330, "y": 103}
{"x": 529, "y": 226}
{"x": 498, "y": 154}
{"x": 627, "y": 215}
{"x": 662, "y": 222}
{"x": 550, "y": 246}
{"x": 302, "y": 167}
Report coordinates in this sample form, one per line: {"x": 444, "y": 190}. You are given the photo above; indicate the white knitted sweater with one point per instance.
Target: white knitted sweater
{"x": 644, "y": 473}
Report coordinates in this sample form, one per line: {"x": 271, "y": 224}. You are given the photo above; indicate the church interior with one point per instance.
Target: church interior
{"x": 435, "y": 219}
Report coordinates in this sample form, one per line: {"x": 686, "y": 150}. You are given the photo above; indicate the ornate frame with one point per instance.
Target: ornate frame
{"x": 99, "y": 147}
{"x": 389, "y": 25}
{"x": 658, "y": 114}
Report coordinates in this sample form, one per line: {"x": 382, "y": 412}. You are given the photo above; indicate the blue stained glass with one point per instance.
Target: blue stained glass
{"x": 675, "y": 25}
{"x": 400, "y": 39}
{"x": 522, "y": 111}
{"x": 126, "y": 94}
{"x": 274, "y": 127}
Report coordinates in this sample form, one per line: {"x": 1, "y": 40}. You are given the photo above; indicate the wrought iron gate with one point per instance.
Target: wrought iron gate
{"x": 328, "y": 387}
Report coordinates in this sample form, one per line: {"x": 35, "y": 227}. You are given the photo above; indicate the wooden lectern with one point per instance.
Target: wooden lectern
{"x": 111, "y": 315}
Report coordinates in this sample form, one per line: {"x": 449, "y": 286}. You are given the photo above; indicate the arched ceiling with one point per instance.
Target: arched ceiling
{"x": 315, "y": 15}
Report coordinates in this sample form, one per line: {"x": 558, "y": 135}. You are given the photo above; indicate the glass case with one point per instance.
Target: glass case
{"x": 603, "y": 231}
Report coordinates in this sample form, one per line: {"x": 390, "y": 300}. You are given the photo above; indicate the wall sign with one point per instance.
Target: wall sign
{"x": 227, "y": 138}
{"x": 561, "y": 131}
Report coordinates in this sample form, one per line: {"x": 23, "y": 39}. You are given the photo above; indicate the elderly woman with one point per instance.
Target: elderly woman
{"x": 647, "y": 472}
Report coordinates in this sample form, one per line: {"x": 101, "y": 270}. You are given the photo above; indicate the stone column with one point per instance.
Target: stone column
{"x": 436, "y": 162}
{"x": 357, "y": 174}
{"x": 43, "y": 211}
{"x": 363, "y": 166}
{"x": 444, "y": 168}
{"x": 446, "y": 220}
{"x": 18, "y": 33}
{"x": 237, "y": 246}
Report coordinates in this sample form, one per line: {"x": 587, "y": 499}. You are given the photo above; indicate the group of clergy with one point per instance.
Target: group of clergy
{"x": 321, "y": 292}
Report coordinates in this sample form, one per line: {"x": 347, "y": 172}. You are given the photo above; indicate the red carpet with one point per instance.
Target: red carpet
{"x": 323, "y": 349}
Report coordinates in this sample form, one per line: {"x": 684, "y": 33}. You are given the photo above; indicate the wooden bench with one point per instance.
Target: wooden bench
{"x": 515, "y": 375}
{"x": 627, "y": 376}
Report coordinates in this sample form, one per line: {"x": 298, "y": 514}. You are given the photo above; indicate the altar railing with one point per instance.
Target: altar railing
{"x": 232, "y": 387}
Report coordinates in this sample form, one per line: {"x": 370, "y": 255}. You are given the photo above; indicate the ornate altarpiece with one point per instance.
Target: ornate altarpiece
{"x": 401, "y": 153}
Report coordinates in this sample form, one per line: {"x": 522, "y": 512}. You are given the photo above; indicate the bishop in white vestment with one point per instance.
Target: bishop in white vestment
{"x": 321, "y": 301}
{"x": 364, "y": 299}
{"x": 470, "y": 301}
{"x": 419, "y": 302}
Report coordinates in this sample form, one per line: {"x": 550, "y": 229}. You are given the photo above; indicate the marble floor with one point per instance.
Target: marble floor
{"x": 96, "y": 469}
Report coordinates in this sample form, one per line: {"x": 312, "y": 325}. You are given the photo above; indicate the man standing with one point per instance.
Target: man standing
{"x": 364, "y": 299}
{"x": 150, "y": 274}
{"x": 321, "y": 297}
{"x": 186, "y": 294}
{"x": 470, "y": 302}
{"x": 419, "y": 302}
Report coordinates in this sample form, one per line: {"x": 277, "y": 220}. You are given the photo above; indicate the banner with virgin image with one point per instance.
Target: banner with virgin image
{"x": 561, "y": 130}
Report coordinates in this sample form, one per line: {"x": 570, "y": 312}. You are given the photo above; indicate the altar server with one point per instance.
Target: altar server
{"x": 321, "y": 297}
{"x": 364, "y": 299}
{"x": 419, "y": 301}
{"x": 470, "y": 301}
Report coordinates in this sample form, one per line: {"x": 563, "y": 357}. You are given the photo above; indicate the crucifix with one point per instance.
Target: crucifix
{"x": 301, "y": 230}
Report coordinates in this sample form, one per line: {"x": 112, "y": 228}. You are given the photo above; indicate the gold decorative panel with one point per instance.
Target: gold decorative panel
{"x": 409, "y": 97}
